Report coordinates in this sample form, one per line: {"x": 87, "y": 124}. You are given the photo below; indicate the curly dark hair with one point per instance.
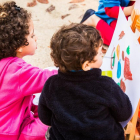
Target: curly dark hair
{"x": 14, "y": 27}
{"x": 74, "y": 44}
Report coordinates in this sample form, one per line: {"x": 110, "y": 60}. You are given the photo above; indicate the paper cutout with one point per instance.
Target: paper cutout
{"x": 134, "y": 21}
{"x": 119, "y": 83}
{"x": 122, "y": 85}
{"x": 118, "y": 51}
{"x": 50, "y": 9}
{"x": 73, "y": 6}
{"x": 123, "y": 55}
{"x": 107, "y": 73}
{"x": 134, "y": 16}
{"x": 113, "y": 60}
{"x": 127, "y": 72}
{"x": 43, "y": 1}
{"x": 76, "y": 1}
{"x": 64, "y": 16}
{"x": 119, "y": 69}
{"x": 128, "y": 50}
{"x": 32, "y": 4}
{"x": 121, "y": 35}
{"x": 138, "y": 24}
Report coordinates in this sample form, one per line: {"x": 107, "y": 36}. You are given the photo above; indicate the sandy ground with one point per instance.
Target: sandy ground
{"x": 46, "y": 24}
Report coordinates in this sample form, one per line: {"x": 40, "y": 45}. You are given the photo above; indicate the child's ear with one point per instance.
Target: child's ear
{"x": 19, "y": 50}
{"x": 86, "y": 66}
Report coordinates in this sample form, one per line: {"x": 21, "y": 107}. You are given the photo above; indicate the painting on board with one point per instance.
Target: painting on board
{"x": 122, "y": 58}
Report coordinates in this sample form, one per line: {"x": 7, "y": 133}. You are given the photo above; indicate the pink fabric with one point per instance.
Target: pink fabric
{"x": 106, "y": 31}
{"x": 18, "y": 81}
{"x": 112, "y": 11}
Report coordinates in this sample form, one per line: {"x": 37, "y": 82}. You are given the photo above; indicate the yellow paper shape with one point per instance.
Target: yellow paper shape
{"x": 118, "y": 51}
{"x": 107, "y": 73}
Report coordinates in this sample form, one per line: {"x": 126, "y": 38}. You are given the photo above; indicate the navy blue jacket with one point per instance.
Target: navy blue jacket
{"x": 83, "y": 105}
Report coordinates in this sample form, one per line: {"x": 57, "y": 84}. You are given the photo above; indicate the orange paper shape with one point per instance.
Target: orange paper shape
{"x": 118, "y": 51}
{"x": 32, "y": 4}
{"x": 73, "y": 6}
{"x": 123, "y": 55}
{"x": 64, "y": 16}
{"x": 43, "y": 1}
{"x": 50, "y": 9}
{"x": 139, "y": 40}
{"x": 121, "y": 35}
{"x": 138, "y": 24}
{"x": 134, "y": 17}
{"x": 76, "y": 1}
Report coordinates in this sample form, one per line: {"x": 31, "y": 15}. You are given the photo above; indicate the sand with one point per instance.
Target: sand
{"x": 46, "y": 24}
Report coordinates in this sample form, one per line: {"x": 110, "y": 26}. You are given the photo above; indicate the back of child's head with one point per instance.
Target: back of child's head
{"x": 14, "y": 27}
{"x": 74, "y": 44}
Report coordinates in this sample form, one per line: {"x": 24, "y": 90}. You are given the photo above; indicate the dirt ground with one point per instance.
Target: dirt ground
{"x": 47, "y": 23}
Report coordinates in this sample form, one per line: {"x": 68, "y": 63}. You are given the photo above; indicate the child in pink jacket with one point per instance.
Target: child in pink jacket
{"x": 19, "y": 80}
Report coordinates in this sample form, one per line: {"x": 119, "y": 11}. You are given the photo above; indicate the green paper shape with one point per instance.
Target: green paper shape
{"x": 128, "y": 50}
{"x": 113, "y": 59}
{"x": 119, "y": 83}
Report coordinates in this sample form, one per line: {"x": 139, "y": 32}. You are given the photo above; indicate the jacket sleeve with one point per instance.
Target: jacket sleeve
{"x": 120, "y": 105}
{"x": 44, "y": 112}
{"x": 112, "y": 12}
{"x": 112, "y": 8}
{"x": 111, "y": 3}
{"x": 32, "y": 79}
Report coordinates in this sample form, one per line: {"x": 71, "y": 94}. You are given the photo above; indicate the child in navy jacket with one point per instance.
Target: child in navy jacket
{"x": 79, "y": 103}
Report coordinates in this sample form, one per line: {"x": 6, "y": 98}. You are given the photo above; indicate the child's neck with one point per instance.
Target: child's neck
{"x": 19, "y": 55}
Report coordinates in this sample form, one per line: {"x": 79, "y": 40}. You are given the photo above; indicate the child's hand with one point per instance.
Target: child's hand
{"x": 128, "y": 10}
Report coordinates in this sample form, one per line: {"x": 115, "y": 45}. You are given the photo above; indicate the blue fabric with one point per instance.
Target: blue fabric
{"x": 76, "y": 70}
{"x": 109, "y": 3}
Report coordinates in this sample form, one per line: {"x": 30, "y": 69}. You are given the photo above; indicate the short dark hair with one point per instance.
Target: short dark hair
{"x": 14, "y": 26}
{"x": 74, "y": 44}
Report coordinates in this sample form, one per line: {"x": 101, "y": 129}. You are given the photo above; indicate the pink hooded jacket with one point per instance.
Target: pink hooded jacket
{"x": 18, "y": 81}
